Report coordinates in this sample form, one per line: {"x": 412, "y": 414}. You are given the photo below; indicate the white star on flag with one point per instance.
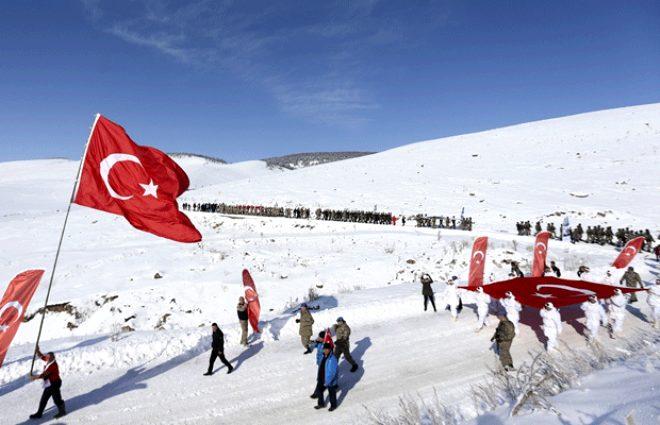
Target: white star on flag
{"x": 150, "y": 189}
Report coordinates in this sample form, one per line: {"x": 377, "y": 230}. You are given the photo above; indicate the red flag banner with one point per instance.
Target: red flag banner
{"x": 540, "y": 253}
{"x": 478, "y": 261}
{"x": 628, "y": 252}
{"x": 138, "y": 182}
{"x": 13, "y": 305}
{"x": 327, "y": 339}
{"x": 536, "y": 291}
{"x": 252, "y": 298}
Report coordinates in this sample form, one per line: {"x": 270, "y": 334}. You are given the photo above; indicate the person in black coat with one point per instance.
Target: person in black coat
{"x": 427, "y": 291}
{"x": 555, "y": 269}
{"x": 218, "y": 350}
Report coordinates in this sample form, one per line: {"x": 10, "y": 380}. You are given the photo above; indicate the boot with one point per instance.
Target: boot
{"x": 309, "y": 350}
{"x": 209, "y": 373}
{"x": 61, "y": 412}
{"x": 35, "y": 416}
{"x": 354, "y": 368}
{"x": 230, "y": 370}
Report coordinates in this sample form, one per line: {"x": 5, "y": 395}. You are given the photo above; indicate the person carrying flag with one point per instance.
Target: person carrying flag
{"x": 52, "y": 385}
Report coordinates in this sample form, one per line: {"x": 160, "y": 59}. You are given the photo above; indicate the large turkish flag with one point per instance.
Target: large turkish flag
{"x": 536, "y": 291}
{"x": 141, "y": 183}
{"x": 540, "y": 253}
{"x": 13, "y": 305}
{"x": 252, "y": 298}
{"x": 628, "y": 252}
{"x": 478, "y": 261}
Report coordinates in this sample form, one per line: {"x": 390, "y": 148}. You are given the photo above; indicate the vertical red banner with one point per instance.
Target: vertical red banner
{"x": 13, "y": 305}
{"x": 478, "y": 261}
{"x": 252, "y": 298}
{"x": 540, "y": 253}
{"x": 628, "y": 252}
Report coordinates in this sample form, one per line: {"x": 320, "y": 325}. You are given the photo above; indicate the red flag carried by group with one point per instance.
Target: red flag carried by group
{"x": 540, "y": 253}
{"x": 138, "y": 182}
{"x": 628, "y": 252}
{"x": 478, "y": 261}
{"x": 252, "y": 298}
{"x": 536, "y": 291}
{"x": 13, "y": 305}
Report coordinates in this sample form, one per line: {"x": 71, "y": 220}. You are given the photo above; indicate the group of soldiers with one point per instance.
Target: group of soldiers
{"x": 350, "y": 216}
{"x": 328, "y": 354}
{"x": 593, "y": 234}
{"x": 442, "y": 222}
{"x": 609, "y": 313}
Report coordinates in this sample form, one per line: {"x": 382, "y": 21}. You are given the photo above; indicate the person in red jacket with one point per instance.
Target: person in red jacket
{"x": 52, "y": 385}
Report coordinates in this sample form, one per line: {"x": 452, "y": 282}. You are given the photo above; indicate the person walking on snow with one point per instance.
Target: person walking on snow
{"x": 594, "y": 314}
{"x": 218, "y": 350}
{"x": 306, "y": 321}
{"x": 52, "y": 385}
{"x": 318, "y": 343}
{"x": 503, "y": 338}
{"x": 427, "y": 291}
{"x": 512, "y": 308}
{"x": 483, "y": 303}
{"x": 653, "y": 299}
{"x": 633, "y": 280}
{"x": 617, "y": 310}
{"x": 551, "y": 325}
{"x": 342, "y": 342}
{"x": 241, "y": 310}
{"x": 452, "y": 298}
{"x": 327, "y": 377}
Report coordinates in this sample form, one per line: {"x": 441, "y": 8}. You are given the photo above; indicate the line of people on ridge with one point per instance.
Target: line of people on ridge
{"x": 593, "y": 234}
{"x": 609, "y": 313}
{"x": 351, "y": 216}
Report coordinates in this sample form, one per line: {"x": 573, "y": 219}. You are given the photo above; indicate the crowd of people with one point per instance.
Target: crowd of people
{"x": 593, "y": 234}
{"x": 326, "y": 214}
{"x": 609, "y": 313}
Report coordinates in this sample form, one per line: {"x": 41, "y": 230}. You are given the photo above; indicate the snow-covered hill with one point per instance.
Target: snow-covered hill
{"x": 600, "y": 167}
{"x": 106, "y": 278}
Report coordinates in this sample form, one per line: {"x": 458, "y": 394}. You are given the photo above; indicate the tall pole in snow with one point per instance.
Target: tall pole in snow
{"x": 59, "y": 245}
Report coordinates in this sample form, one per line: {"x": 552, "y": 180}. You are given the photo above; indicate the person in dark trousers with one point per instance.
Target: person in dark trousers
{"x": 555, "y": 269}
{"x": 427, "y": 291}
{"x": 218, "y": 350}
{"x": 503, "y": 337}
{"x": 319, "y": 343}
{"x": 327, "y": 377}
{"x": 342, "y": 342}
{"x": 52, "y": 385}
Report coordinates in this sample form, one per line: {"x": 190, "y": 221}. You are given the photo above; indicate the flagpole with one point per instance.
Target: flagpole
{"x": 59, "y": 245}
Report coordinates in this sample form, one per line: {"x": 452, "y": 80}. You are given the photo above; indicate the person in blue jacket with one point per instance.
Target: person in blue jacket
{"x": 327, "y": 377}
{"x": 319, "y": 356}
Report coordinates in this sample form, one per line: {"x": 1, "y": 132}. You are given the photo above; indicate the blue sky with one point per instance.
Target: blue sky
{"x": 249, "y": 79}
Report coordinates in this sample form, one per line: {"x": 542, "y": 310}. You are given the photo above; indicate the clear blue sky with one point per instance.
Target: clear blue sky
{"x": 245, "y": 80}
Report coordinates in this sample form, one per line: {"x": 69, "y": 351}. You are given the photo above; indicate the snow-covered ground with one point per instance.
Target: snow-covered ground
{"x": 365, "y": 273}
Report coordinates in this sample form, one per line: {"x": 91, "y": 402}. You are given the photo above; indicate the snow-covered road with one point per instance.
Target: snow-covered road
{"x": 414, "y": 353}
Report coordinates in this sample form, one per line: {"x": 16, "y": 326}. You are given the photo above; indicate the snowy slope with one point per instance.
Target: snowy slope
{"x": 367, "y": 273}
{"x": 604, "y": 162}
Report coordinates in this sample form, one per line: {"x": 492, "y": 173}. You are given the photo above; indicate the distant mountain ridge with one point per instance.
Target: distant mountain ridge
{"x": 309, "y": 159}
{"x": 289, "y": 162}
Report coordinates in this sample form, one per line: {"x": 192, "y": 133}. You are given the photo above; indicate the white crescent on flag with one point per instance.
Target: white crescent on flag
{"x": 106, "y": 165}
{"x": 580, "y": 291}
{"x": 11, "y": 304}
